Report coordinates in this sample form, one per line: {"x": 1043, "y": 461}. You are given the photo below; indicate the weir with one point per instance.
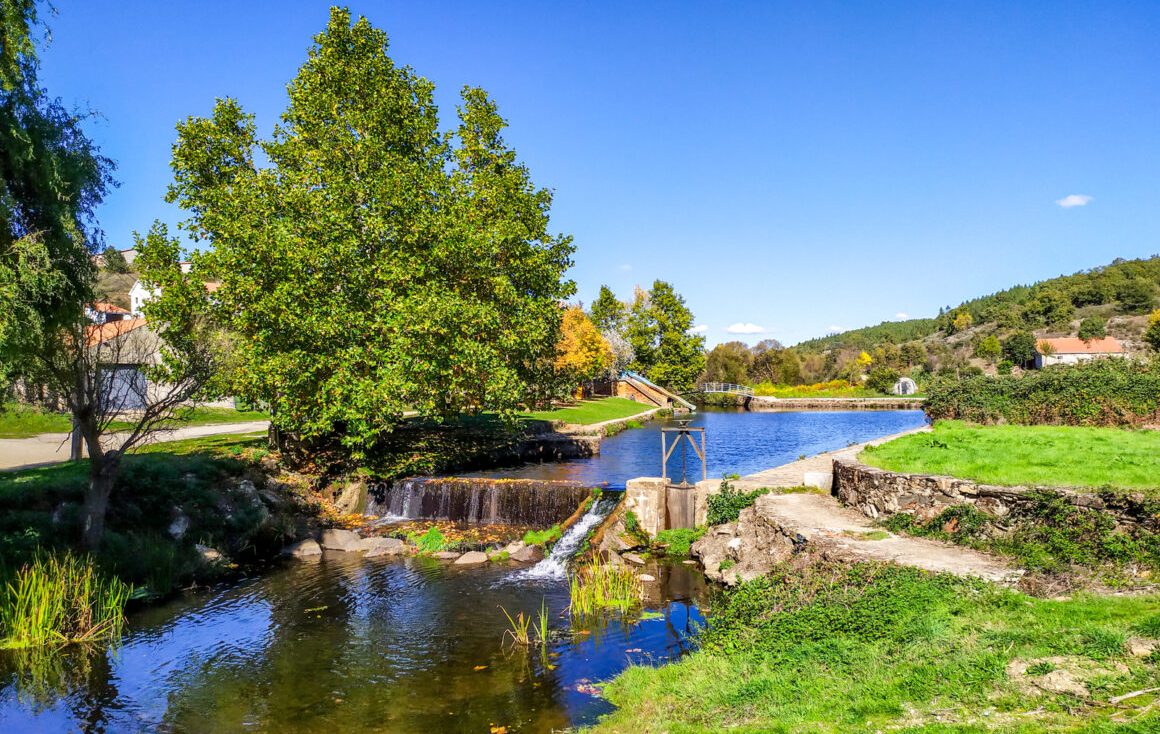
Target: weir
{"x": 475, "y": 500}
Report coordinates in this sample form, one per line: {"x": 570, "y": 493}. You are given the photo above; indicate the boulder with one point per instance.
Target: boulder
{"x": 209, "y": 555}
{"x": 647, "y": 577}
{"x": 340, "y": 540}
{"x": 632, "y": 558}
{"x": 528, "y": 554}
{"x": 748, "y": 548}
{"x": 303, "y": 548}
{"x": 471, "y": 558}
{"x": 446, "y": 555}
{"x": 381, "y": 546}
{"x": 514, "y": 547}
{"x": 179, "y": 525}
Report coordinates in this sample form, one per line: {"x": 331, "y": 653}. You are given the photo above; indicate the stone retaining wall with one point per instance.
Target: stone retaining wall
{"x": 879, "y": 493}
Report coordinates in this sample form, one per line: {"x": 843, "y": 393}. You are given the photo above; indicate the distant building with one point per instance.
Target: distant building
{"x": 1072, "y": 350}
{"x": 138, "y": 295}
{"x": 904, "y": 386}
{"x": 102, "y": 312}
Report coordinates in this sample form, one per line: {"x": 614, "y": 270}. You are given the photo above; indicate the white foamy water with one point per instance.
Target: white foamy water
{"x": 555, "y": 566}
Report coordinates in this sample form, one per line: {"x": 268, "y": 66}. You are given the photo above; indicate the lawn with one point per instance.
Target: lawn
{"x": 587, "y": 412}
{"x": 1053, "y": 456}
{"x": 869, "y": 648}
{"x": 22, "y": 421}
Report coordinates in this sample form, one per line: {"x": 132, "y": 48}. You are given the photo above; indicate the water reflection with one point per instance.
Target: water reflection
{"x": 347, "y": 644}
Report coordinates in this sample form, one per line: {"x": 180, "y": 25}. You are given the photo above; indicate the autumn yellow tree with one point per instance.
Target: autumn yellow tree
{"x": 582, "y": 352}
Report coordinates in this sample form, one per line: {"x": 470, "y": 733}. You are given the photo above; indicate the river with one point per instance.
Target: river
{"x": 346, "y": 644}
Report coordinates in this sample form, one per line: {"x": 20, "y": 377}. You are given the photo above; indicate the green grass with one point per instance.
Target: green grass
{"x": 23, "y": 421}
{"x": 766, "y": 389}
{"x": 866, "y": 647}
{"x": 679, "y": 541}
{"x": 1050, "y": 456}
{"x": 587, "y": 412}
{"x": 597, "y": 588}
{"x": 542, "y": 537}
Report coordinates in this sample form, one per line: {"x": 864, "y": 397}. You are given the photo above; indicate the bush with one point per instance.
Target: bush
{"x": 1005, "y": 367}
{"x": 727, "y": 504}
{"x": 1093, "y": 327}
{"x": 431, "y": 541}
{"x": 679, "y": 541}
{"x": 882, "y": 379}
{"x": 1102, "y": 392}
{"x": 542, "y": 537}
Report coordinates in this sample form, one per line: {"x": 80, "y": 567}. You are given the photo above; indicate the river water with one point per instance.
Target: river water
{"x": 346, "y": 644}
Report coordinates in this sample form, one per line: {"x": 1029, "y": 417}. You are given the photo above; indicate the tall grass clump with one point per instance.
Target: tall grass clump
{"x": 521, "y": 627}
{"x": 58, "y": 599}
{"x": 598, "y": 587}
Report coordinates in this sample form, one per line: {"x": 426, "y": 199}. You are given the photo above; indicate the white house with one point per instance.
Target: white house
{"x": 1072, "y": 350}
{"x": 138, "y": 295}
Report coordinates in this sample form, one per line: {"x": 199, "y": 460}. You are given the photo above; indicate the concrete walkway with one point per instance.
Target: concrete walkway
{"x": 53, "y": 448}
{"x": 821, "y": 521}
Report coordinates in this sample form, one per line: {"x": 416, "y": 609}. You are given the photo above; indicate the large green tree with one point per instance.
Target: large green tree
{"x": 665, "y": 350}
{"x": 373, "y": 264}
{"x": 608, "y": 312}
{"x": 728, "y": 362}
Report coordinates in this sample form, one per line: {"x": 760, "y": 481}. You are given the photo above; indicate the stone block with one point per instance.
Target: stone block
{"x": 819, "y": 479}
{"x": 340, "y": 540}
{"x": 645, "y": 497}
{"x": 471, "y": 558}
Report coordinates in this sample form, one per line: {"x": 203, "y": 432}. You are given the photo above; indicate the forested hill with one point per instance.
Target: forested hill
{"x": 1125, "y": 287}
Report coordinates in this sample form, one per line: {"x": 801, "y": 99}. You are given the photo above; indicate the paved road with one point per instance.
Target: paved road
{"x": 52, "y": 448}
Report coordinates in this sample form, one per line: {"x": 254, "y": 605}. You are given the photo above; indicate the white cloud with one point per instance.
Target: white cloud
{"x": 745, "y": 328}
{"x": 1072, "y": 200}
{"x": 834, "y": 329}
{"x": 699, "y": 329}
{"x": 902, "y": 316}
{"x": 625, "y": 268}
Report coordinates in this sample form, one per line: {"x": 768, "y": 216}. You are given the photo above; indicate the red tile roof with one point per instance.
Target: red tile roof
{"x": 105, "y": 307}
{"x": 97, "y": 333}
{"x": 1075, "y": 345}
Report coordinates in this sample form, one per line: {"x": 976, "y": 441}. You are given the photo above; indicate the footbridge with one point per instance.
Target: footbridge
{"x": 725, "y": 388}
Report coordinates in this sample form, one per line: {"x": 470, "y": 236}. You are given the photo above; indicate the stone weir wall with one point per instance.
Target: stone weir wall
{"x": 473, "y": 500}
{"x": 879, "y": 493}
{"x": 767, "y": 403}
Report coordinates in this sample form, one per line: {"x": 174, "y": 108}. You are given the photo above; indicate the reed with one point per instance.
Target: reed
{"x": 61, "y": 599}
{"x": 597, "y": 588}
{"x": 519, "y": 628}
{"x": 542, "y": 623}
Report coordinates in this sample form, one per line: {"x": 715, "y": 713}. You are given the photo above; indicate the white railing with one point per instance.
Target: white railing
{"x": 726, "y": 387}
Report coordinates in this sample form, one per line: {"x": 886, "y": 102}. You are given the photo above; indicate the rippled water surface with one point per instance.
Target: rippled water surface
{"x": 737, "y": 442}
{"x": 346, "y": 644}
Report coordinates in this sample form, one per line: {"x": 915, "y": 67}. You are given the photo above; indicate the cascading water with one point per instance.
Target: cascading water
{"x": 473, "y": 500}
{"x": 555, "y": 566}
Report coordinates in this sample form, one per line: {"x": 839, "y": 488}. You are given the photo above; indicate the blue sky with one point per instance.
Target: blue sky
{"x": 793, "y": 167}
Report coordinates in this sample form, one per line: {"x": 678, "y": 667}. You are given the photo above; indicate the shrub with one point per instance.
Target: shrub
{"x": 431, "y": 541}
{"x": 882, "y": 379}
{"x": 1093, "y": 327}
{"x": 1005, "y": 367}
{"x": 727, "y": 504}
{"x": 1102, "y": 392}
{"x": 679, "y": 541}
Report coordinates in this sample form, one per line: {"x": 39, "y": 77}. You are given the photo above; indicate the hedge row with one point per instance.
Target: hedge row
{"x": 1102, "y": 392}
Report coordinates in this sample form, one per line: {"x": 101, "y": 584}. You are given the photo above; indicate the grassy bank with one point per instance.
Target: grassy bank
{"x": 834, "y": 389}
{"x": 587, "y": 412}
{"x": 191, "y": 489}
{"x": 24, "y": 421}
{"x": 1050, "y": 456}
{"x": 865, "y": 648}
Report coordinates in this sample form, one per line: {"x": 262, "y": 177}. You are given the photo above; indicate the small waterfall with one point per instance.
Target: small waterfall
{"x": 555, "y": 566}
{"x": 473, "y": 500}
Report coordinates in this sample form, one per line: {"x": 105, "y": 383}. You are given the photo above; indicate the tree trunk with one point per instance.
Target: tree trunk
{"x": 102, "y": 475}
{"x": 75, "y": 451}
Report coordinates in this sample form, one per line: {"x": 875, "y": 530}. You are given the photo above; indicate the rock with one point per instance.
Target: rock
{"x": 352, "y": 498}
{"x": 303, "y": 548}
{"x": 340, "y": 540}
{"x": 632, "y": 558}
{"x": 446, "y": 555}
{"x": 209, "y": 555}
{"x": 748, "y": 548}
{"x": 247, "y": 488}
{"x": 471, "y": 558}
{"x": 647, "y": 577}
{"x": 818, "y": 479}
{"x": 179, "y": 525}
{"x": 528, "y": 554}
{"x": 381, "y": 546}
{"x": 514, "y": 547}
{"x": 689, "y": 563}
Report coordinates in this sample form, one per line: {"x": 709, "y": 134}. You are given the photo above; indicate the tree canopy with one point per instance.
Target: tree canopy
{"x": 373, "y": 264}
{"x": 658, "y": 327}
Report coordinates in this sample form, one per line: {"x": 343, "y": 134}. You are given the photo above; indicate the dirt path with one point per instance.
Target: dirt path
{"x": 53, "y": 448}
{"x": 818, "y": 520}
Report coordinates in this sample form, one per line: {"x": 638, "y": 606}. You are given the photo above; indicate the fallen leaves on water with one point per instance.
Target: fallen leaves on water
{"x": 316, "y": 609}
{"x": 480, "y": 667}
{"x": 498, "y": 729}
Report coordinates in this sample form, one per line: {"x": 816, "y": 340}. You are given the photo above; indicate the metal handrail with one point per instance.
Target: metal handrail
{"x": 725, "y": 387}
